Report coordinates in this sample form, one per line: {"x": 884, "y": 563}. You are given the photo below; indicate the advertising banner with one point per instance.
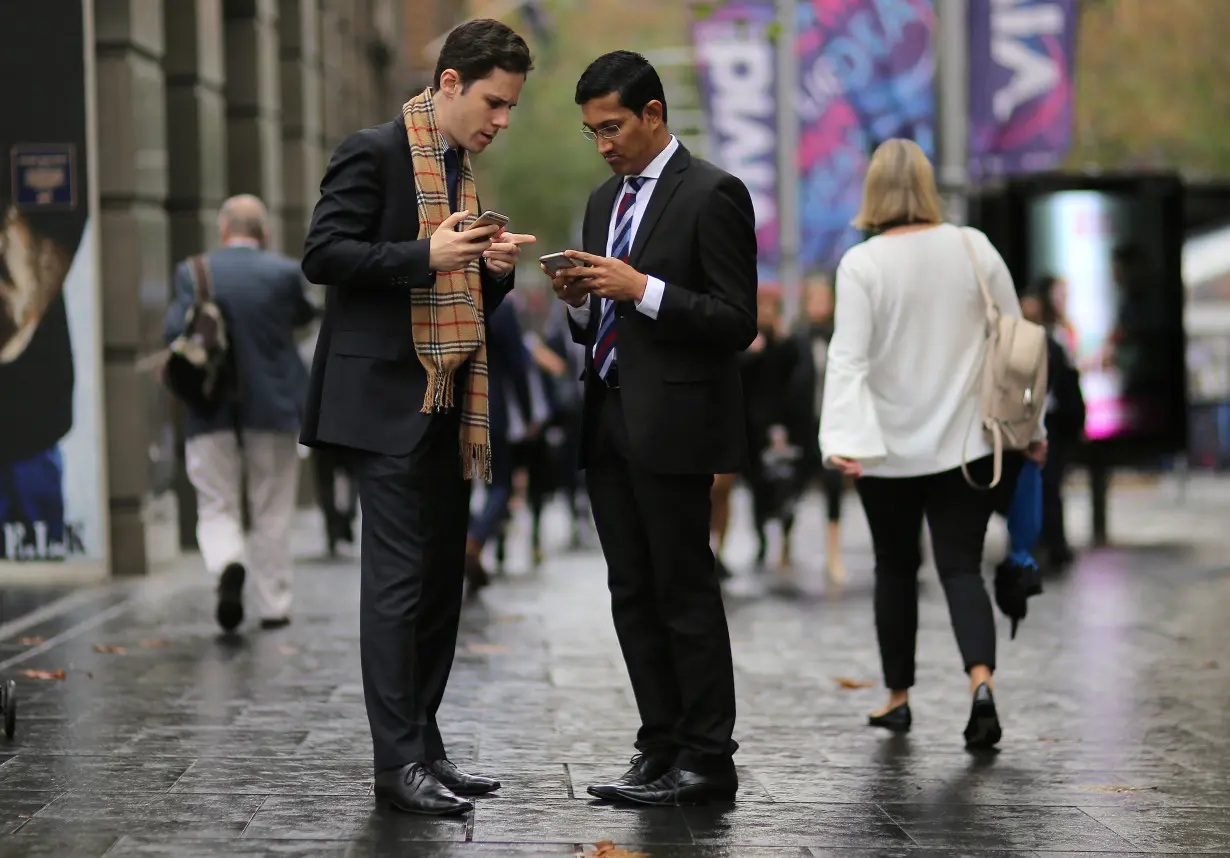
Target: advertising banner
{"x": 52, "y": 488}
{"x": 738, "y": 84}
{"x": 867, "y": 72}
{"x": 1020, "y": 85}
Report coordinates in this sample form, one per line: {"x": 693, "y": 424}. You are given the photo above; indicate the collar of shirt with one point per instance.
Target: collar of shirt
{"x": 243, "y": 242}
{"x": 654, "y": 171}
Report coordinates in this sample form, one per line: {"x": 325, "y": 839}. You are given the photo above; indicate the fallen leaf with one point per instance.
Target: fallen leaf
{"x": 287, "y": 650}
{"x": 106, "y": 648}
{"x": 608, "y": 849}
{"x": 844, "y": 682}
{"x": 43, "y": 674}
{"x": 1210, "y": 665}
{"x": 487, "y": 649}
{"x": 155, "y": 643}
{"x": 1118, "y": 788}
{"x": 30, "y": 641}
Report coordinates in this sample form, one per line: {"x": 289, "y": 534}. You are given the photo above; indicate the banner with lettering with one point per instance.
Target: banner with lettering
{"x": 52, "y": 492}
{"x": 1021, "y": 56}
{"x": 737, "y": 70}
{"x": 867, "y": 72}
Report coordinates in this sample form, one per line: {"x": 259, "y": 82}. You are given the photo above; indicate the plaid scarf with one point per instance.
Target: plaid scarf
{"x": 447, "y": 320}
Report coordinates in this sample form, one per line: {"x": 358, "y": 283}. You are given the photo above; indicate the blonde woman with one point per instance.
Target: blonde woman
{"x": 901, "y": 414}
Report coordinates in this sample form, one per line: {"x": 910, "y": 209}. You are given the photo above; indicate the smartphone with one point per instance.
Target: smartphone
{"x": 490, "y": 218}
{"x": 557, "y": 262}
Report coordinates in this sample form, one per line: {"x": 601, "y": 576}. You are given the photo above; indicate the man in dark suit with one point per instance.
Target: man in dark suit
{"x": 368, "y": 389}
{"x": 666, "y": 304}
{"x": 262, "y": 296}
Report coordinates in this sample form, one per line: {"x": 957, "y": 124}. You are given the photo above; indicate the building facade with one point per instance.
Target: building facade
{"x": 198, "y": 100}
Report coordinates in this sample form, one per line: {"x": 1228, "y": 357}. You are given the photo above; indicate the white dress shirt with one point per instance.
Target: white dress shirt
{"x": 651, "y": 302}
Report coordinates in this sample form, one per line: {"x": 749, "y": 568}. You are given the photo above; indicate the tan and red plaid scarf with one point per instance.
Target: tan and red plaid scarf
{"x": 447, "y": 320}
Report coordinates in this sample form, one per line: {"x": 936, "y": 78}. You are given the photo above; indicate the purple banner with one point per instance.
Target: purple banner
{"x": 738, "y": 86}
{"x": 1020, "y": 92}
{"x": 867, "y": 74}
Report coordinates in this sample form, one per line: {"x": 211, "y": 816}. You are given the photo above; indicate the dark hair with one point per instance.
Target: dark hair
{"x": 1041, "y": 290}
{"x": 477, "y": 48}
{"x": 626, "y": 73}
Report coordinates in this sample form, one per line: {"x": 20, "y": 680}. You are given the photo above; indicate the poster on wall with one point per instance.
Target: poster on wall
{"x": 1021, "y": 56}
{"x": 737, "y": 70}
{"x": 867, "y": 71}
{"x": 52, "y": 495}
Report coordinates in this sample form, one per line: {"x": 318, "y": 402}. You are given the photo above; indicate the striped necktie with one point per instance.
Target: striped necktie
{"x": 604, "y": 350}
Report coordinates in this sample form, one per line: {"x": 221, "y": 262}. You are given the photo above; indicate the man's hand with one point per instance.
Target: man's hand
{"x": 505, "y": 250}
{"x": 1037, "y": 452}
{"x": 611, "y": 278}
{"x": 571, "y": 285}
{"x": 451, "y": 250}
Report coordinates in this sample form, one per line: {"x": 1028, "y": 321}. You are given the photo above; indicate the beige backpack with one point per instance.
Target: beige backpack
{"x": 1012, "y": 401}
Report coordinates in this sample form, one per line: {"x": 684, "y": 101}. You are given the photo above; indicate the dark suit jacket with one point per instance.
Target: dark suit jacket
{"x": 367, "y": 383}
{"x": 262, "y": 297}
{"x": 679, "y": 373}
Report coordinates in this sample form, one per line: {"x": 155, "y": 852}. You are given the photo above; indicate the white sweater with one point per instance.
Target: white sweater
{"x": 901, "y": 391}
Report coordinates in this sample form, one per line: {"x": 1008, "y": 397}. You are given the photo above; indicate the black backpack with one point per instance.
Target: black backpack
{"x": 200, "y": 368}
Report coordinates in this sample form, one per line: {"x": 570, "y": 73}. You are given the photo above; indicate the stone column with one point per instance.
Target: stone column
{"x": 302, "y": 165}
{"x": 196, "y": 169}
{"x": 132, "y": 180}
{"x": 253, "y": 95}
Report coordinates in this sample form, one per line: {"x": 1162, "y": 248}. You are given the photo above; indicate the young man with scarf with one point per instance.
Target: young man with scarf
{"x": 399, "y": 382}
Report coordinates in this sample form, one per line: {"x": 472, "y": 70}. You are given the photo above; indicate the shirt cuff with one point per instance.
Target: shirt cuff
{"x": 580, "y": 315}
{"x": 651, "y": 301}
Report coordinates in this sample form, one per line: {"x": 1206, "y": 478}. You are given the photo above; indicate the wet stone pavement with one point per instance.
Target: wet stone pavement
{"x": 1114, "y": 698}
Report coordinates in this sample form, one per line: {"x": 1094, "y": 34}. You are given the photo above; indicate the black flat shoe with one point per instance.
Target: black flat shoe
{"x": 898, "y": 719}
{"x": 414, "y": 789}
{"x": 983, "y": 731}
{"x": 461, "y": 783}
{"x": 646, "y": 768}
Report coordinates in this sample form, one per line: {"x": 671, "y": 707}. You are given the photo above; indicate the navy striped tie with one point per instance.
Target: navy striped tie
{"x": 604, "y": 350}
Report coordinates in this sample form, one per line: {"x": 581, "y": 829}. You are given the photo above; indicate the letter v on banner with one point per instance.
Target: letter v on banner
{"x": 736, "y": 66}
{"x": 1021, "y": 55}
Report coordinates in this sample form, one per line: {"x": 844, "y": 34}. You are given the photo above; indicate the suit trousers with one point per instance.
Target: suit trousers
{"x": 666, "y": 599}
{"x": 415, "y": 512}
{"x": 216, "y": 470}
{"x": 957, "y": 515}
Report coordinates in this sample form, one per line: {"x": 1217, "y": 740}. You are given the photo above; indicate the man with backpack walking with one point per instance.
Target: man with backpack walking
{"x": 244, "y": 304}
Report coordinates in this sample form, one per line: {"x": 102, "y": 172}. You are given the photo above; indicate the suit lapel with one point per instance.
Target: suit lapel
{"x": 665, "y": 187}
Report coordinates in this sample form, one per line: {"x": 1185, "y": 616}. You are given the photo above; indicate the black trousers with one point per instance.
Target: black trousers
{"x": 415, "y": 512}
{"x": 957, "y": 516}
{"x": 666, "y": 599}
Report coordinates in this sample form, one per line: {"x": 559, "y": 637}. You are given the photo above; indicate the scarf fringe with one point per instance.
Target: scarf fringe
{"x": 439, "y": 393}
{"x": 478, "y": 462}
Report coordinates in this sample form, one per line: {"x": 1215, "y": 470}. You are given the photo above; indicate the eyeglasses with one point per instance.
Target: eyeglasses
{"x": 606, "y": 132}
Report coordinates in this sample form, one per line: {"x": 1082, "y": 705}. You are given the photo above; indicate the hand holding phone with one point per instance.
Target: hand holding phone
{"x": 570, "y": 284}
{"x": 557, "y": 262}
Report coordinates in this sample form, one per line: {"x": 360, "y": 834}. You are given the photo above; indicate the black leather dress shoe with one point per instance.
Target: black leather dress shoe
{"x": 898, "y": 719}
{"x": 272, "y": 623}
{"x": 645, "y": 768}
{"x": 983, "y": 730}
{"x": 461, "y": 783}
{"x": 678, "y": 787}
{"x": 230, "y": 596}
{"x": 414, "y": 789}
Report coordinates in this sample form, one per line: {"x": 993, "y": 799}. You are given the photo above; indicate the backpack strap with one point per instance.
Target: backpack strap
{"x": 203, "y": 287}
{"x": 992, "y": 308}
{"x": 993, "y": 313}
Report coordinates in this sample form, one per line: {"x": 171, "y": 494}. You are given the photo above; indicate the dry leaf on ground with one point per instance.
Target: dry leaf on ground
{"x": 30, "y": 641}
{"x": 487, "y": 649}
{"x": 845, "y": 682}
{"x": 114, "y": 650}
{"x": 1118, "y": 788}
{"x": 608, "y": 849}
{"x": 155, "y": 643}
{"x": 43, "y": 674}
{"x": 1210, "y": 665}
{"x": 287, "y": 650}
